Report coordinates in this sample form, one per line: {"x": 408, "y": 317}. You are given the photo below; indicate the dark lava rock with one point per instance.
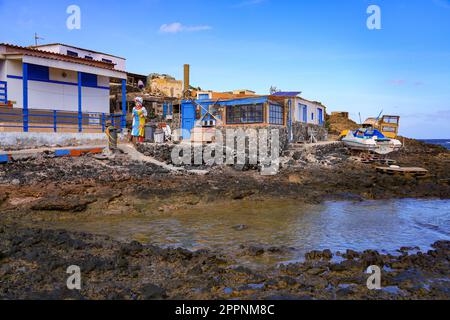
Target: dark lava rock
{"x": 287, "y": 297}
{"x": 338, "y": 267}
{"x": 351, "y": 254}
{"x": 255, "y": 251}
{"x": 152, "y": 292}
{"x": 73, "y": 204}
{"x": 327, "y": 254}
{"x": 122, "y": 263}
{"x": 371, "y": 258}
{"x": 344, "y": 292}
{"x": 131, "y": 248}
{"x": 245, "y": 270}
{"x": 242, "y": 195}
{"x": 3, "y": 197}
{"x": 314, "y": 255}
{"x": 442, "y": 245}
{"x": 195, "y": 271}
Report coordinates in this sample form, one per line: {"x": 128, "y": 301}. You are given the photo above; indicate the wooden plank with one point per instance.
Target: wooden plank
{"x": 403, "y": 171}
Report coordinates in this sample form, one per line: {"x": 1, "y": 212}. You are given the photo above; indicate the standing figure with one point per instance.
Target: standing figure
{"x": 139, "y": 117}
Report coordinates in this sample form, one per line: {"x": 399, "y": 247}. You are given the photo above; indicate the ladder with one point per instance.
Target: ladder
{"x": 3, "y": 92}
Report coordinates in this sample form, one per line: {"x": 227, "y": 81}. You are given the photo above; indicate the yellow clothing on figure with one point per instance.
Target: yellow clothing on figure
{"x": 139, "y": 117}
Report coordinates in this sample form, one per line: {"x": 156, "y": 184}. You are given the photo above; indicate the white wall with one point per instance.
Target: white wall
{"x": 57, "y": 96}
{"x": 313, "y": 108}
{"x": 2, "y": 70}
{"x": 95, "y": 100}
{"x": 15, "y": 92}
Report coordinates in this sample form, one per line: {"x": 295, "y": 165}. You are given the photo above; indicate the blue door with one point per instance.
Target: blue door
{"x": 187, "y": 119}
{"x": 320, "y": 116}
{"x": 165, "y": 110}
{"x": 305, "y": 114}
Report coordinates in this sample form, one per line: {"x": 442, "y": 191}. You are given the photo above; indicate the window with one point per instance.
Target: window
{"x": 276, "y": 114}
{"x": 107, "y": 60}
{"x": 203, "y": 96}
{"x": 312, "y": 116}
{"x": 388, "y": 129}
{"x": 88, "y": 57}
{"x": 72, "y": 53}
{"x": 391, "y": 120}
{"x": 245, "y": 114}
{"x": 38, "y": 73}
{"x": 88, "y": 80}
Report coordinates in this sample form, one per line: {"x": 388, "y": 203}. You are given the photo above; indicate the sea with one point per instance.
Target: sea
{"x": 442, "y": 142}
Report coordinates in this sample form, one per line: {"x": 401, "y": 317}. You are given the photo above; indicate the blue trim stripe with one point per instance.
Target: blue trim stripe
{"x": 124, "y": 104}
{"x": 58, "y": 82}
{"x": 14, "y": 77}
{"x": 62, "y": 153}
{"x": 25, "y": 96}
{"x": 4, "y": 158}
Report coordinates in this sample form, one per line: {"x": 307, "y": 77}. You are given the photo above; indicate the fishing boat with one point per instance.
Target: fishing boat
{"x": 371, "y": 140}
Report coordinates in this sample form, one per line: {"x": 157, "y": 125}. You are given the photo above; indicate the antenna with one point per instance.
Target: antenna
{"x": 378, "y": 118}
{"x": 37, "y": 38}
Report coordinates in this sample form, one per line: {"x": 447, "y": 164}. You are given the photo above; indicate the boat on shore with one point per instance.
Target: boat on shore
{"x": 370, "y": 140}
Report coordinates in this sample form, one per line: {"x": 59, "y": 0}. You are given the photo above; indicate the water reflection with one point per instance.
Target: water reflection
{"x": 381, "y": 225}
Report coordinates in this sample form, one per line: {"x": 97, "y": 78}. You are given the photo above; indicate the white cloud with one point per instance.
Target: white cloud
{"x": 177, "y": 27}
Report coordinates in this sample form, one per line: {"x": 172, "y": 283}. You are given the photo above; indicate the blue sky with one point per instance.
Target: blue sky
{"x": 322, "y": 48}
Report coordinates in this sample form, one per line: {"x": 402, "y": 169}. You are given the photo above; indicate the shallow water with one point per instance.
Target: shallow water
{"x": 381, "y": 225}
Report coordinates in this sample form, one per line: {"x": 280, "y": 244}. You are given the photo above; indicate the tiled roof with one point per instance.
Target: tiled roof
{"x": 74, "y": 47}
{"x": 57, "y": 56}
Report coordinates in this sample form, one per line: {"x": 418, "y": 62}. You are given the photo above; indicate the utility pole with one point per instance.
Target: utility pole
{"x": 36, "y": 38}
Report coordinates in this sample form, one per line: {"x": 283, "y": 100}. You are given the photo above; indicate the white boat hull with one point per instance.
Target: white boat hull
{"x": 372, "y": 144}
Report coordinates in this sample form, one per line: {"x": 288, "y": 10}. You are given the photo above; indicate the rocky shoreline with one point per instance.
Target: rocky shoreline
{"x": 33, "y": 261}
{"x": 34, "y": 264}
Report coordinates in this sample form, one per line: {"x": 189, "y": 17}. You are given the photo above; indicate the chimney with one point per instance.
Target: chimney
{"x": 186, "y": 77}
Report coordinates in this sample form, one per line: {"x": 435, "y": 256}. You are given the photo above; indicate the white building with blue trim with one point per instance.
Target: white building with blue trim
{"x": 58, "y": 78}
{"x": 303, "y": 110}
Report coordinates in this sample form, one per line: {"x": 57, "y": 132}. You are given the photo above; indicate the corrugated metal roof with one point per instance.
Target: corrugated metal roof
{"x": 287, "y": 93}
{"x": 234, "y": 102}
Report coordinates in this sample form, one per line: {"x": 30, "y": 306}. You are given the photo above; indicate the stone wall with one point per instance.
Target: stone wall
{"x": 302, "y": 132}
{"x": 25, "y": 140}
{"x": 283, "y": 134}
{"x": 163, "y": 152}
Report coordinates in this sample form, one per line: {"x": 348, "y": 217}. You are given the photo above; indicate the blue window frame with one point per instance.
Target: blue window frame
{"x": 245, "y": 114}
{"x": 312, "y": 116}
{"x": 88, "y": 80}
{"x": 38, "y": 73}
{"x": 3, "y": 91}
{"x": 276, "y": 114}
{"x": 203, "y": 96}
